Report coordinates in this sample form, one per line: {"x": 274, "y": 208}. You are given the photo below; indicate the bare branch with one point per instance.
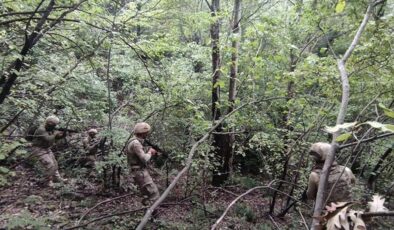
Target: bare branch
{"x": 366, "y": 140}
{"x": 340, "y": 118}
{"x": 103, "y": 202}
{"x": 189, "y": 161}
{"x": 235, "y": 201}
{"x": 372, "y": 214}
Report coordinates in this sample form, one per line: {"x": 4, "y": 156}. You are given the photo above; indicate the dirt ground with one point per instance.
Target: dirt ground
{"x": 27, "y": 203}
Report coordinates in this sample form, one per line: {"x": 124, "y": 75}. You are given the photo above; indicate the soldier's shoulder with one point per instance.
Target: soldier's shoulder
{"x": 342, "y": 167}
{"x": 40, "y": 129}
{"x": 134, "y": 142}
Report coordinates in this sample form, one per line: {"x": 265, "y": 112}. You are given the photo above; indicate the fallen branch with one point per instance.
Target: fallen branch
{"x": 274, "y": 222}
{"x": 118, "y": 214}
{"x": 235, "y": 201}
{"x": 224, "y": 190}
{"x": 372, "y": 214}
{"x": 150, "y": 210}
{"x": 246, "y": 193}
{"x": 303, "y": 219}
{"x": 366, "y": 140}
{"x": 106, "y": 216}
{"x": 103, "y": 202}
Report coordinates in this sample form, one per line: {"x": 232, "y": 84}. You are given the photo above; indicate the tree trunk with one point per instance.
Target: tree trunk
{"x": 220, "y": 142}
{"x": 8, "y": 79}
{"x": 376, "y": 170}
{"x": 223, "y": 143}
{"x": 236, "y": 30}
{"x": 320, "y": 202}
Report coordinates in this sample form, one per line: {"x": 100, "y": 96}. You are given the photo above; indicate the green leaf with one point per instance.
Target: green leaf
{"x": 339, "y": 127}
{"x": 4, "y": 170}
{"x": 219, "y": 83}
{"x": 343, "y": 137}
{"x": 387, "y": 111}
{"x": 388, "y": 128}
{"x": 2, "y": 156}
{"x": 340, "y": 7}
{"x": 375, "y": 124}
{"x": 383, "y": 127}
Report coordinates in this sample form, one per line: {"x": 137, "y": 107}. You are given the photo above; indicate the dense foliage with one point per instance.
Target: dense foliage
{"x": 109, "y": 64}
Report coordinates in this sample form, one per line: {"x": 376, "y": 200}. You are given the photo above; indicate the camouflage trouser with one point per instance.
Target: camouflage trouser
{"x": 90, "y": 161}
{"x": 47, "y": 161}
{"x": 146, "y": 185}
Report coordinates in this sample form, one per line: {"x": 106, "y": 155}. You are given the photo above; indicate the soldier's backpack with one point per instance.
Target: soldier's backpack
{"x": 30, "y": 132}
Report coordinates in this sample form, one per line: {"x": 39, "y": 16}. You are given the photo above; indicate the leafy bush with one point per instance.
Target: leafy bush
{"x": 244, "y": 211}
{"x": 26, "y": 220}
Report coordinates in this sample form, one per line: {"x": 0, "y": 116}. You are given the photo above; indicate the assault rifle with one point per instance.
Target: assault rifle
{"x": 158, "y": 149}
{"x": 67, "y": 130}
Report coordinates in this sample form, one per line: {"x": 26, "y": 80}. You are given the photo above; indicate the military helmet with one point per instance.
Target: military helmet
{"x": 92, "y": 131}
{"x": 54, "y": 120}
{"x": 320, "y": 150}
{"x": 141, "y": 127}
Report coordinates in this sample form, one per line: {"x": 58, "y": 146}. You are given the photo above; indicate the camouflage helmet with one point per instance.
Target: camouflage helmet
{"x": 141, "y": 127}
{"x": 92, "y": 131}
{"x": 54, "y": 120}
{"x": 320, "y": 150}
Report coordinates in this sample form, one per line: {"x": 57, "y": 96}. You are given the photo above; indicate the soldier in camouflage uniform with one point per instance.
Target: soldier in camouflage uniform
{"x": 91, "y": 144}
{"x": 44, "y": 137}
{"x": 342, "y": 190}
{"x": 137, "y": 158}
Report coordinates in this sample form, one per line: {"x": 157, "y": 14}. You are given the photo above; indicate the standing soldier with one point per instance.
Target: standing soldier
{"x": 44, "y": 137}
{"x": 137, "y": 159}
{"x": 91, "y": 144}
{"x": 339, "y": 174}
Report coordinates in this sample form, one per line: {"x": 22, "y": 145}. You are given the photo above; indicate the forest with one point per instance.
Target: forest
{"x": 249, "y": 105}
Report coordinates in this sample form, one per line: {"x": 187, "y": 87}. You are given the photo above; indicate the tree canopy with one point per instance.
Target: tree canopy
{"x": 235, "y": 91}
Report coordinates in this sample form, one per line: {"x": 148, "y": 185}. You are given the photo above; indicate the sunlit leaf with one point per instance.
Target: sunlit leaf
{"x": 338, "y": 221}
{"x": 339, "y": 127}
{"x": 340, "y": 7}
{"x": 358, "y": 222}
{"x": 388, "y": 128}
{"x": 219, "y": 83}
{"x": 383, "y": 127}
{"x": 376, "y": 205}
{"x": 388, "y": 112}
{"x": 4, "y": 170}
{"x": 343, "y": 137}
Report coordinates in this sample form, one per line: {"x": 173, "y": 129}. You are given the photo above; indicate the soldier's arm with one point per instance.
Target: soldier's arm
{"x": 138, "y": 149}
{"x": 44, "y": 135}
{"x": 85, "y": 144}
{"x": 93, "y": 145}
{"x": 313, "y": 184}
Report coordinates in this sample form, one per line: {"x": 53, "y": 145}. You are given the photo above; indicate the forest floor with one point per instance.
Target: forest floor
{"x": 26, "y": 203}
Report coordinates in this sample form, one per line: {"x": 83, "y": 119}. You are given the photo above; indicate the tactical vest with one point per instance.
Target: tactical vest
{"x": 342, "y": 191}
{"x": 43, "y": 138}
{"x": 132, "y": 158}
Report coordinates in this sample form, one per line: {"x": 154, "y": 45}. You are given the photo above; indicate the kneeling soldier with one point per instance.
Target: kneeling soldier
{"x": 339, "y": 174}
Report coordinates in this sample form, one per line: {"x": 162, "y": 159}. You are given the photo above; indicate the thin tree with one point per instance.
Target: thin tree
{"x": 341, "y": 115}
{"x": 7, "y": 80}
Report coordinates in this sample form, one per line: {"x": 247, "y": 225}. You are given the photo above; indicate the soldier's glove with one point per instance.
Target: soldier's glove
{"x": 60, "y": 134}
{"x": 152, "y": 151}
